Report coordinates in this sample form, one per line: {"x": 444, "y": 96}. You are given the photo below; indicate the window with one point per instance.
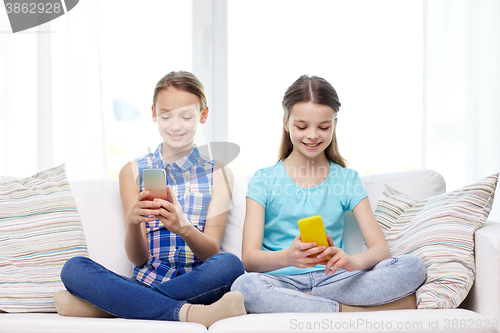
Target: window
{"x": 370, "y": 51}
{"x": 139, "y": 42}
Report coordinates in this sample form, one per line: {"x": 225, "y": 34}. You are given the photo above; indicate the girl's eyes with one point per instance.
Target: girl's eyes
{"x": 185, "y": 118}
{"x": 321, "y": 128}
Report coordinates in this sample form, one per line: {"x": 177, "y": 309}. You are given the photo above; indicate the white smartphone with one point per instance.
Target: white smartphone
{"x": 155, "y": 182}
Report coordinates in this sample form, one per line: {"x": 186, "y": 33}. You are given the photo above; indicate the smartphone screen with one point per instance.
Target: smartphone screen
{"x": 154, "y": 181}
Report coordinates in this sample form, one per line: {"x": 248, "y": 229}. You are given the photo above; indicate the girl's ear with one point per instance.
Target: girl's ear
{"x": 153, "y": 113}
{"x": 204, "y": 115}
{"x": 335, "y": 125}
{"x": 285, "y": 125}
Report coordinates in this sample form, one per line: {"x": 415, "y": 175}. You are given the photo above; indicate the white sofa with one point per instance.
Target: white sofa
{"x": 99, "y": 206}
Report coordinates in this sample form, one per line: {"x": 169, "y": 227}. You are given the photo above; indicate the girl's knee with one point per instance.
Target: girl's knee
{"x": 245, "y": 283}
{"x": 72, "y": 269}
{"x": 233, "y": 263}
{"x": 416, "y": 262}
{"x": 248, "y": 284}
{"x": 416, "y": 268}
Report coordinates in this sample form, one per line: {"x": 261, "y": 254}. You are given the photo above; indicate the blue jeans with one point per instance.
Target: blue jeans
{"x": 387, "y": 281}
{"x": 129, "y": 298}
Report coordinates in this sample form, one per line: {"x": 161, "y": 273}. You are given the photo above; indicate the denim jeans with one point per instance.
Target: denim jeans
{"x": 129, "y": 298}
{"x": 387, "y": 281}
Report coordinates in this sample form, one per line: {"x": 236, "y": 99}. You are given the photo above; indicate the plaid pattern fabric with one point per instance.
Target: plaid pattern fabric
{"x": 191, "y": 179}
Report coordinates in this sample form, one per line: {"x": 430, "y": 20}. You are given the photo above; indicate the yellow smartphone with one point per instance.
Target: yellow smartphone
{"x": 155, "y": 182}
{"x": 312, "y": 230}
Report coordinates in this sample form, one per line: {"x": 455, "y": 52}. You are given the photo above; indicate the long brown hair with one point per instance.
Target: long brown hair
{"x": 317, "y": 90}
{"x": 185, "y": 81}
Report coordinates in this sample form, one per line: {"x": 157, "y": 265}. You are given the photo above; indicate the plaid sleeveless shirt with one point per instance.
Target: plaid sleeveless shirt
{"x": 191, "y": 179}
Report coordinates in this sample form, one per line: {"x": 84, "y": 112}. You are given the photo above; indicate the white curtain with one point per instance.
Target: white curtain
{"x": 50, "y": 96}
{"x": 461, "y": 130}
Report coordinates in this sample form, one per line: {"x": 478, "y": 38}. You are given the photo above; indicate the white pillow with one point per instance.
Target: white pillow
{"x": 39, "y": 231}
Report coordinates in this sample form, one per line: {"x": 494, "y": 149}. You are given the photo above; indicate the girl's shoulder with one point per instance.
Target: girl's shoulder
{"x": 338, "y": 171}
{"x": 129, "y": 174}
{"x": 207, "y": 160}
{"x": 153, "y": 158}
{"x": 275, "y": 170}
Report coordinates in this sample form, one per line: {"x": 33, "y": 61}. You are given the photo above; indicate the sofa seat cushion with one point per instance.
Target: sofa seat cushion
{"x": 39, "y": 230}
{"x": 54, "y": 323}
{"x": 439, "y": 320}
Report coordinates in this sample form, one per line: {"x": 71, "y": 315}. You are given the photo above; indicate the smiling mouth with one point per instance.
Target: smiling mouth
{"x": 312, "y": 145}
{"x": 175, "y": 136}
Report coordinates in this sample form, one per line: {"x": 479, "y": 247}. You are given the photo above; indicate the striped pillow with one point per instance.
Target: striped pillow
{"x": 39, "y": 230}
{"x": 440, "y": 231}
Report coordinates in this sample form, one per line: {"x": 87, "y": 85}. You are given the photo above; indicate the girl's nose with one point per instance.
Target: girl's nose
{"x": 312, "y": 135}
{"x": 175, "y": 125}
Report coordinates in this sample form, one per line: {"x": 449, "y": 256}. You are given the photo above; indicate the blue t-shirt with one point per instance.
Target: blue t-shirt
{"x": 285, "y": 203}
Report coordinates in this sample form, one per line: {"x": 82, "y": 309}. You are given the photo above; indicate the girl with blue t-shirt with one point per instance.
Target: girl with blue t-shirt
{"x": 174, "y": 245}
{"x": 311, "y": 178}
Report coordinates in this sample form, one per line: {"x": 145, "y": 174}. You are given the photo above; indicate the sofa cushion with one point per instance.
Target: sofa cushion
{"x": 39, "y": 230}
{"x": 54, "y": 323}
{"x": 100, "y": 208}
{"x": 411, "y": 321}
{"x": 231, "y": 242}
{"x": 419, "y": 184}
{"x": 439, "y": 230}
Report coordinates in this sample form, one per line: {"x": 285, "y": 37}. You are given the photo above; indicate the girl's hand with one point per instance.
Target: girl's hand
{"x": 171, "y": 214}
{"x": 299, "y": 252}
{"x": 143, "y": 210}
{"x": 338, "y": 260}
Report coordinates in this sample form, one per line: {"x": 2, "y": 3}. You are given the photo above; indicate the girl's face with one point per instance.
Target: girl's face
{"x": 311, "y": 127}
{"x": 177, "y": 114}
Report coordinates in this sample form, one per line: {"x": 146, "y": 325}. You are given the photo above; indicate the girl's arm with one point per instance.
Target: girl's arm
{"x": 256, "y": 260}
{"x": 136, "y": 210}
{"x": 203, "y": 244}
{"x": 378, "y": 249}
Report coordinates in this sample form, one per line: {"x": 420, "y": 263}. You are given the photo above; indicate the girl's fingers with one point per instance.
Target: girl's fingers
{"x": 142, "y": 195}
{"x": 337, "y": 265}
{"x": 330, "y": 240}
{"x": 148, "y": 204}
{"x": 166, "y": 214}
{"x": 308, "y": 262}
{"x": 328, "y": 252}
{"x": 165, "y": 204}
{"x": 307, "y": 247}
{"x": 332, "y": 263}
{"x": 147, "y": 212}
{"x": 315, "y": 250}
{"x": 171, "y": 195}
{"x": 149, "y": 219}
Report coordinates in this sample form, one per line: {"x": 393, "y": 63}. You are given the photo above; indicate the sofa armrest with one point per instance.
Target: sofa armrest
{"x": 484, "y": 297}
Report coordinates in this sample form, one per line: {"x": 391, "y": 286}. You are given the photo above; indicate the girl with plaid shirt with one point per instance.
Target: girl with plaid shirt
{"x": 179, "y": 274}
